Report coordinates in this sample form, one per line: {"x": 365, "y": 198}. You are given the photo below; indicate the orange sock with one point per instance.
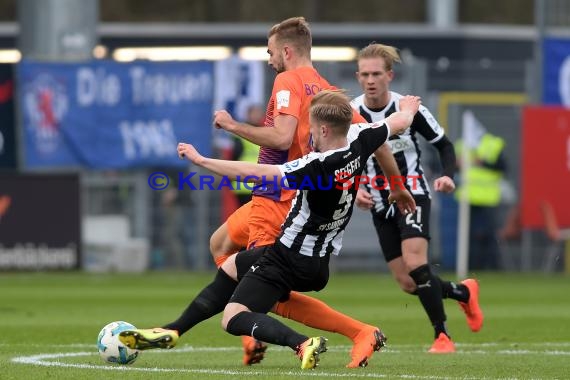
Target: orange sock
{"x": 245, "y": 339}
{"x": 317, "y": 314}
{"x": 221, "y": 259}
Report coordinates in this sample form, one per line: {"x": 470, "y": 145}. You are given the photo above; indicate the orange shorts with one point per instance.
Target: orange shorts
{"x": 258, "y": 222}
{"x": 265, "y": 220}
{"x": 238, "y": 228}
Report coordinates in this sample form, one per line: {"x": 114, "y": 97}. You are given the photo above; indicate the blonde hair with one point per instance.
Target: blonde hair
{"x": 333, "y": 108}
{"x": 388, "y": 53}
{"x": 296, "y": 31}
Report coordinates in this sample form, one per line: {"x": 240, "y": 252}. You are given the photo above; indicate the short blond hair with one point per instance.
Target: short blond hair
{"x": 333, "y": 108}
{"x": 296, "y": 31}
{"x": 388, "y": 53}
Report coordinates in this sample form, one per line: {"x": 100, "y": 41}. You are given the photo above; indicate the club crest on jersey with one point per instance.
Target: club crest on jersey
{"x": 292, "y": 165}
{"x": 282, "y": 98}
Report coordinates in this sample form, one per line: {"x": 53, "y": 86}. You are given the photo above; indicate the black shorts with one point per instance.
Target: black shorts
{"x": 393, "y": 228}
{"x": 275, "y": 274}
{"x": 245, "y": 259}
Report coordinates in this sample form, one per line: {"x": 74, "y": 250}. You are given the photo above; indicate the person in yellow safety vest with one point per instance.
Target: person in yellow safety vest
{"x": 482, "y": 184}
{"x": 245, "y": 150}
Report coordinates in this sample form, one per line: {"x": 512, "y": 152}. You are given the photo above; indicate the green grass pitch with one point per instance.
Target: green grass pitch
{"x": 49, "y": 325}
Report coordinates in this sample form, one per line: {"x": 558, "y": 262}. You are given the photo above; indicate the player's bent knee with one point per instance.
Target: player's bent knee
{"x": 217, "y": 241}
{"x": 407, "y": 284}
{"x": 221, "y": 244}
{"x": 226, "y": 317}
{"x": 214, "y": 246}
{"x": 409, "y": 289}
{"x": 232, "y": 309}
{"x": 229, "y": 267}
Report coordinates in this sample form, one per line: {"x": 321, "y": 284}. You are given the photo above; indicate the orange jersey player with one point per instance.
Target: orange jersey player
{"x": 286, "y": 137}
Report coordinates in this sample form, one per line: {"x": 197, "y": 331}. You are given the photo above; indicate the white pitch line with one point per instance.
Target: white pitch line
{"x": 41, "y": 361}
{"x": 387, "y": 350}
{"x": 48, "y": 360}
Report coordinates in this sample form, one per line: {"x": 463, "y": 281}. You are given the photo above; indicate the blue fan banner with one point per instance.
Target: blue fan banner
{"x": 110, "y": 115}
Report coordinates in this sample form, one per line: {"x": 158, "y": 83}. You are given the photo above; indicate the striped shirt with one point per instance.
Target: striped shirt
{"x": 316, "y": 221}
{"x": 404, "y": 147}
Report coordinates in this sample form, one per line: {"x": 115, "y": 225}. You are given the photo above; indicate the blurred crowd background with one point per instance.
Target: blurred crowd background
{"x": 94, "y": 95}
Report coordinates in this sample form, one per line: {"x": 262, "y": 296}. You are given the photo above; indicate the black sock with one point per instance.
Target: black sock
{"x": 264, "y": 328}
{"x": 209, "y": 302}
{"x": 450, "y": 289}
{"x": 429, "y": 292}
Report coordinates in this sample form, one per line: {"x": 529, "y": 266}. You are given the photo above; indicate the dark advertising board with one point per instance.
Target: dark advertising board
{"x": 7, "y": 130}
{"x": 40, "y": 225}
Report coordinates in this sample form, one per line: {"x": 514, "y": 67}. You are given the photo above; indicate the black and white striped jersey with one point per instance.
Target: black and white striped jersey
{"x": 404, "y": 147}
{"x": 326, "y": 192}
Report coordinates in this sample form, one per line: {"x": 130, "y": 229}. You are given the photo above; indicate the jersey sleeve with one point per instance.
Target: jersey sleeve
{"x": 297, "y": 171}
{"x": 287, "y": 96}
{"x": 354, "y": 130}
{"x": 426, "y": 125}
{"x": 372, "y": 138}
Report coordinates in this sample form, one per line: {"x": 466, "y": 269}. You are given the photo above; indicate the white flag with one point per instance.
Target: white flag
{"x": 473, "y": 130}
{"x": 239, "y": 83}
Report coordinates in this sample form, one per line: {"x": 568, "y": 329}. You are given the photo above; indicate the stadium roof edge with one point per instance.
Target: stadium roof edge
{"x": 320, "y": 30}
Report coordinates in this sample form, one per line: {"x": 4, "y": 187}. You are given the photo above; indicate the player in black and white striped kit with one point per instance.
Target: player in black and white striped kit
{"x": 314, "y": 226}
{"x": 404, "y": 238}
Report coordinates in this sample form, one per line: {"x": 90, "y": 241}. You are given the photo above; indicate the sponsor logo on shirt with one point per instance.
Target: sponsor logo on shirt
{"x": 282, "y": 98}
{"x": 399, "y": 145}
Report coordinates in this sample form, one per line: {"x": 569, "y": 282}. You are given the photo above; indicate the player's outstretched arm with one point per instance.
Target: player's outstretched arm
{"x": 401, "y": 120}
{"x": 400, "y": 195}
{"x": 387, "y": 161}
{"x": 230, "y": 169}
{"x": 280, "y": 136}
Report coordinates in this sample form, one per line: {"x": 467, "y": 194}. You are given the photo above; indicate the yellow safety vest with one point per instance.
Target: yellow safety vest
{"x": 249, "y": 154}
{"x": 483, "y": 184}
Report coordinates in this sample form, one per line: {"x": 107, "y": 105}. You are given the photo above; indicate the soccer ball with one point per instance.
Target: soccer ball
{"x": 110, "y": 347}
